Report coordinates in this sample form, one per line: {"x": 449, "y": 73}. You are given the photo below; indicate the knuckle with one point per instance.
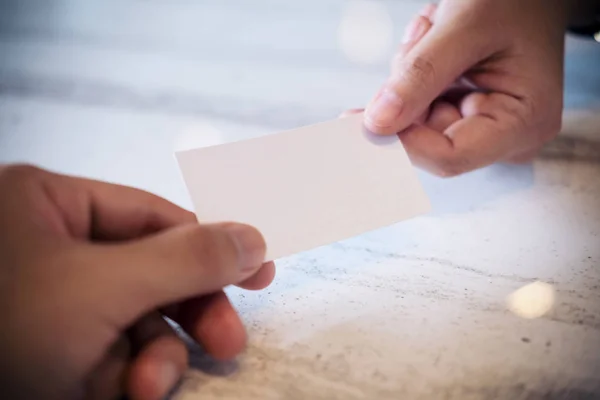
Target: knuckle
{"x": 418, "y": 71}
{"x": 542, "y": 117}
{"x": 451, "y": 166}
{"x": 448, "y": 172}
{"x": 526, "y": 112}
{"x": 21, "y": 177}
{"x": 20, "y": 171}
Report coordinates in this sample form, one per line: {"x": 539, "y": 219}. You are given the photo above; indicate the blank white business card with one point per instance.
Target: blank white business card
{"x": 306, "y": 187}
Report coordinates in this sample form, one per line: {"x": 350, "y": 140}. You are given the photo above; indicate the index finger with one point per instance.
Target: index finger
{"x": 121, "y": 212}
{"x": 104, "y": 211}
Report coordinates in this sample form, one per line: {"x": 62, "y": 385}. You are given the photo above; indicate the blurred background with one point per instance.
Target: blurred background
{"x": 109, "y": 89}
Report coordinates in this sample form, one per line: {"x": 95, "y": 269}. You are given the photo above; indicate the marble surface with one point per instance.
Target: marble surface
{"x": 417, "y": 310}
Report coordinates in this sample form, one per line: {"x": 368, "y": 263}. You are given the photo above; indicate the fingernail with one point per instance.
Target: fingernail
{"x": 169, "y": 376}
{"x": 409, "y": 31}
{"x": 415, "y": 29}
{"x": 385, "y": 109}
{"x": 250, "y": 245}
{"x": 428, "y": 11}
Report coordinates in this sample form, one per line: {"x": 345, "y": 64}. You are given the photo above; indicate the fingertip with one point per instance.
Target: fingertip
{"x": 376, "y": 129}
{"x": 423, "y": 139}
{"x": 442, "y": 116}
{"x": 157, "y": 369}
{"x": 261, "y": 279}
{"x": 213, "y": 322}
{"x": 385, "y": 114}
{"x": 427, "y": 148}
{"x": 250, "y": 244}
{"x": 223, "y": 340}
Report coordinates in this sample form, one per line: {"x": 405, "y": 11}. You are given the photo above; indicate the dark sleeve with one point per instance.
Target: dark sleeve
{"x": 590, "y": 29}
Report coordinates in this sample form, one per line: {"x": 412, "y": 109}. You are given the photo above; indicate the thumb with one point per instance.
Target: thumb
{"x": 178, "y": 264}
{"x": 422, "y": 74}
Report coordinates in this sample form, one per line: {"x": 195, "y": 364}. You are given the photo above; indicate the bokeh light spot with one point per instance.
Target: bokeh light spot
{"x": 365, "y": 33}
{"x": 532, "y": 300}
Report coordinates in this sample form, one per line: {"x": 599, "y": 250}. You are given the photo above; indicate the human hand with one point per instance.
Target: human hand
{"x": 88, "y": 269}
{"x": 475, "y": 82}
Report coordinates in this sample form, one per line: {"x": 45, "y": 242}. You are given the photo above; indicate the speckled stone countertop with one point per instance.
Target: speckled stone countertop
{"x": 419, "y": 310}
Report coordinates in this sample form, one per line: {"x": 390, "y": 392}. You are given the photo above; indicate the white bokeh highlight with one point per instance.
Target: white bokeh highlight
{"x": 365, "y": 34}
{"x": 531, "y": 301}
